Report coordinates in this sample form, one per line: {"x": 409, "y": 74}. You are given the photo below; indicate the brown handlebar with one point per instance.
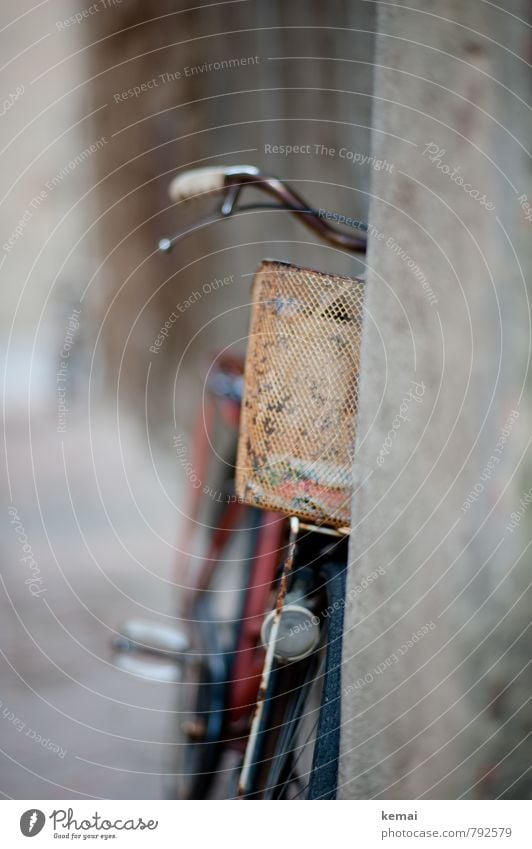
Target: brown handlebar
{"x": 236, "y": 178}
{"x": 214, "y": 179}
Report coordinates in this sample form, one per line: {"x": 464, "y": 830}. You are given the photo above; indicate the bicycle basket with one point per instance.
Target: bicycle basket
{"x": 297, "y": 429}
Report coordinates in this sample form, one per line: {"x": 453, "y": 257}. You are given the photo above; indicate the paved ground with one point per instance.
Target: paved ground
{"x": 71, "y": 725}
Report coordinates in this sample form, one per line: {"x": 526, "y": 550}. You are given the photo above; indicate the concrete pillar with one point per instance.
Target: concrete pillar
{"x": 434, "y": 677}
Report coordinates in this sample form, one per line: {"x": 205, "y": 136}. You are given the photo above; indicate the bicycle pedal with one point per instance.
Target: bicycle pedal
{"x": 148, "y": 637}
{"x": 167, "y": 672}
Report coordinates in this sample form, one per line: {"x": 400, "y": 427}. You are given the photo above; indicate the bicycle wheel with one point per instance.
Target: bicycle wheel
{"x": 297, "y": 747}
{"x": 202, "y": 692}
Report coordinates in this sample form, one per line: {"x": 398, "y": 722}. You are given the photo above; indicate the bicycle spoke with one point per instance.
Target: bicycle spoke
{"x": 288, "y": 730}
{"x": 302, "y": 747}
{"x": 285, "y": 746}
{"x": 291, "y": 775}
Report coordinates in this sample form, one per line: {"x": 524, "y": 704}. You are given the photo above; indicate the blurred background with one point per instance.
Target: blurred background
{"x": 101, "y": 105}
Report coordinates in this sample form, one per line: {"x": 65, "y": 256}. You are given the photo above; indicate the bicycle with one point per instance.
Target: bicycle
{"x": 258, "y": 687}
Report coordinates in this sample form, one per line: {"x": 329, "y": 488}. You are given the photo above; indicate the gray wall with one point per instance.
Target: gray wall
{"x": 311, "y": 85}
{"x": 443, "y": 715}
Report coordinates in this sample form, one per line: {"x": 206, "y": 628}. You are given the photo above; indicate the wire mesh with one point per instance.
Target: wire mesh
{"x": 297, "y": 431}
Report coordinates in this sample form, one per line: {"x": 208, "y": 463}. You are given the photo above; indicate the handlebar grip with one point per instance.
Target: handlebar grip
{"x": 197, "y": 181}
{"x": 201, "y": 181}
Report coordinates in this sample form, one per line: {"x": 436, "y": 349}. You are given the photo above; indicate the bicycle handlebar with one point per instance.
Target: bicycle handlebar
{"x": 231, "y": 179}
{"x": 197, "y": 181}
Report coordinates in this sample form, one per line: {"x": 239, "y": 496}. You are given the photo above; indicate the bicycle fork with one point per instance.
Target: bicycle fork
{"x": 252, "y": 744}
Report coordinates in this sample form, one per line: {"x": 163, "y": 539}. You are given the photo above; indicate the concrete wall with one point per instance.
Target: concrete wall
{"x": 444, "y": 412}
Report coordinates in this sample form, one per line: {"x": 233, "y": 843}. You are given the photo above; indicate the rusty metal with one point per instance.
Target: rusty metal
{"x": 321, "y": 529}
{"x": 297, "y": 429}
{"x": 251, "y": 747}
{"x": 194, "y": 729}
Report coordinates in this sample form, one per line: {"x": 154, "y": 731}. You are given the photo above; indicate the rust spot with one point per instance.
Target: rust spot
{"x": 261, "y": 695}
{"x": 281, "y": 594}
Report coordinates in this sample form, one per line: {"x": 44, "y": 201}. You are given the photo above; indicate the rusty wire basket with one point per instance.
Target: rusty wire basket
{"x": 297, "y": 430}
